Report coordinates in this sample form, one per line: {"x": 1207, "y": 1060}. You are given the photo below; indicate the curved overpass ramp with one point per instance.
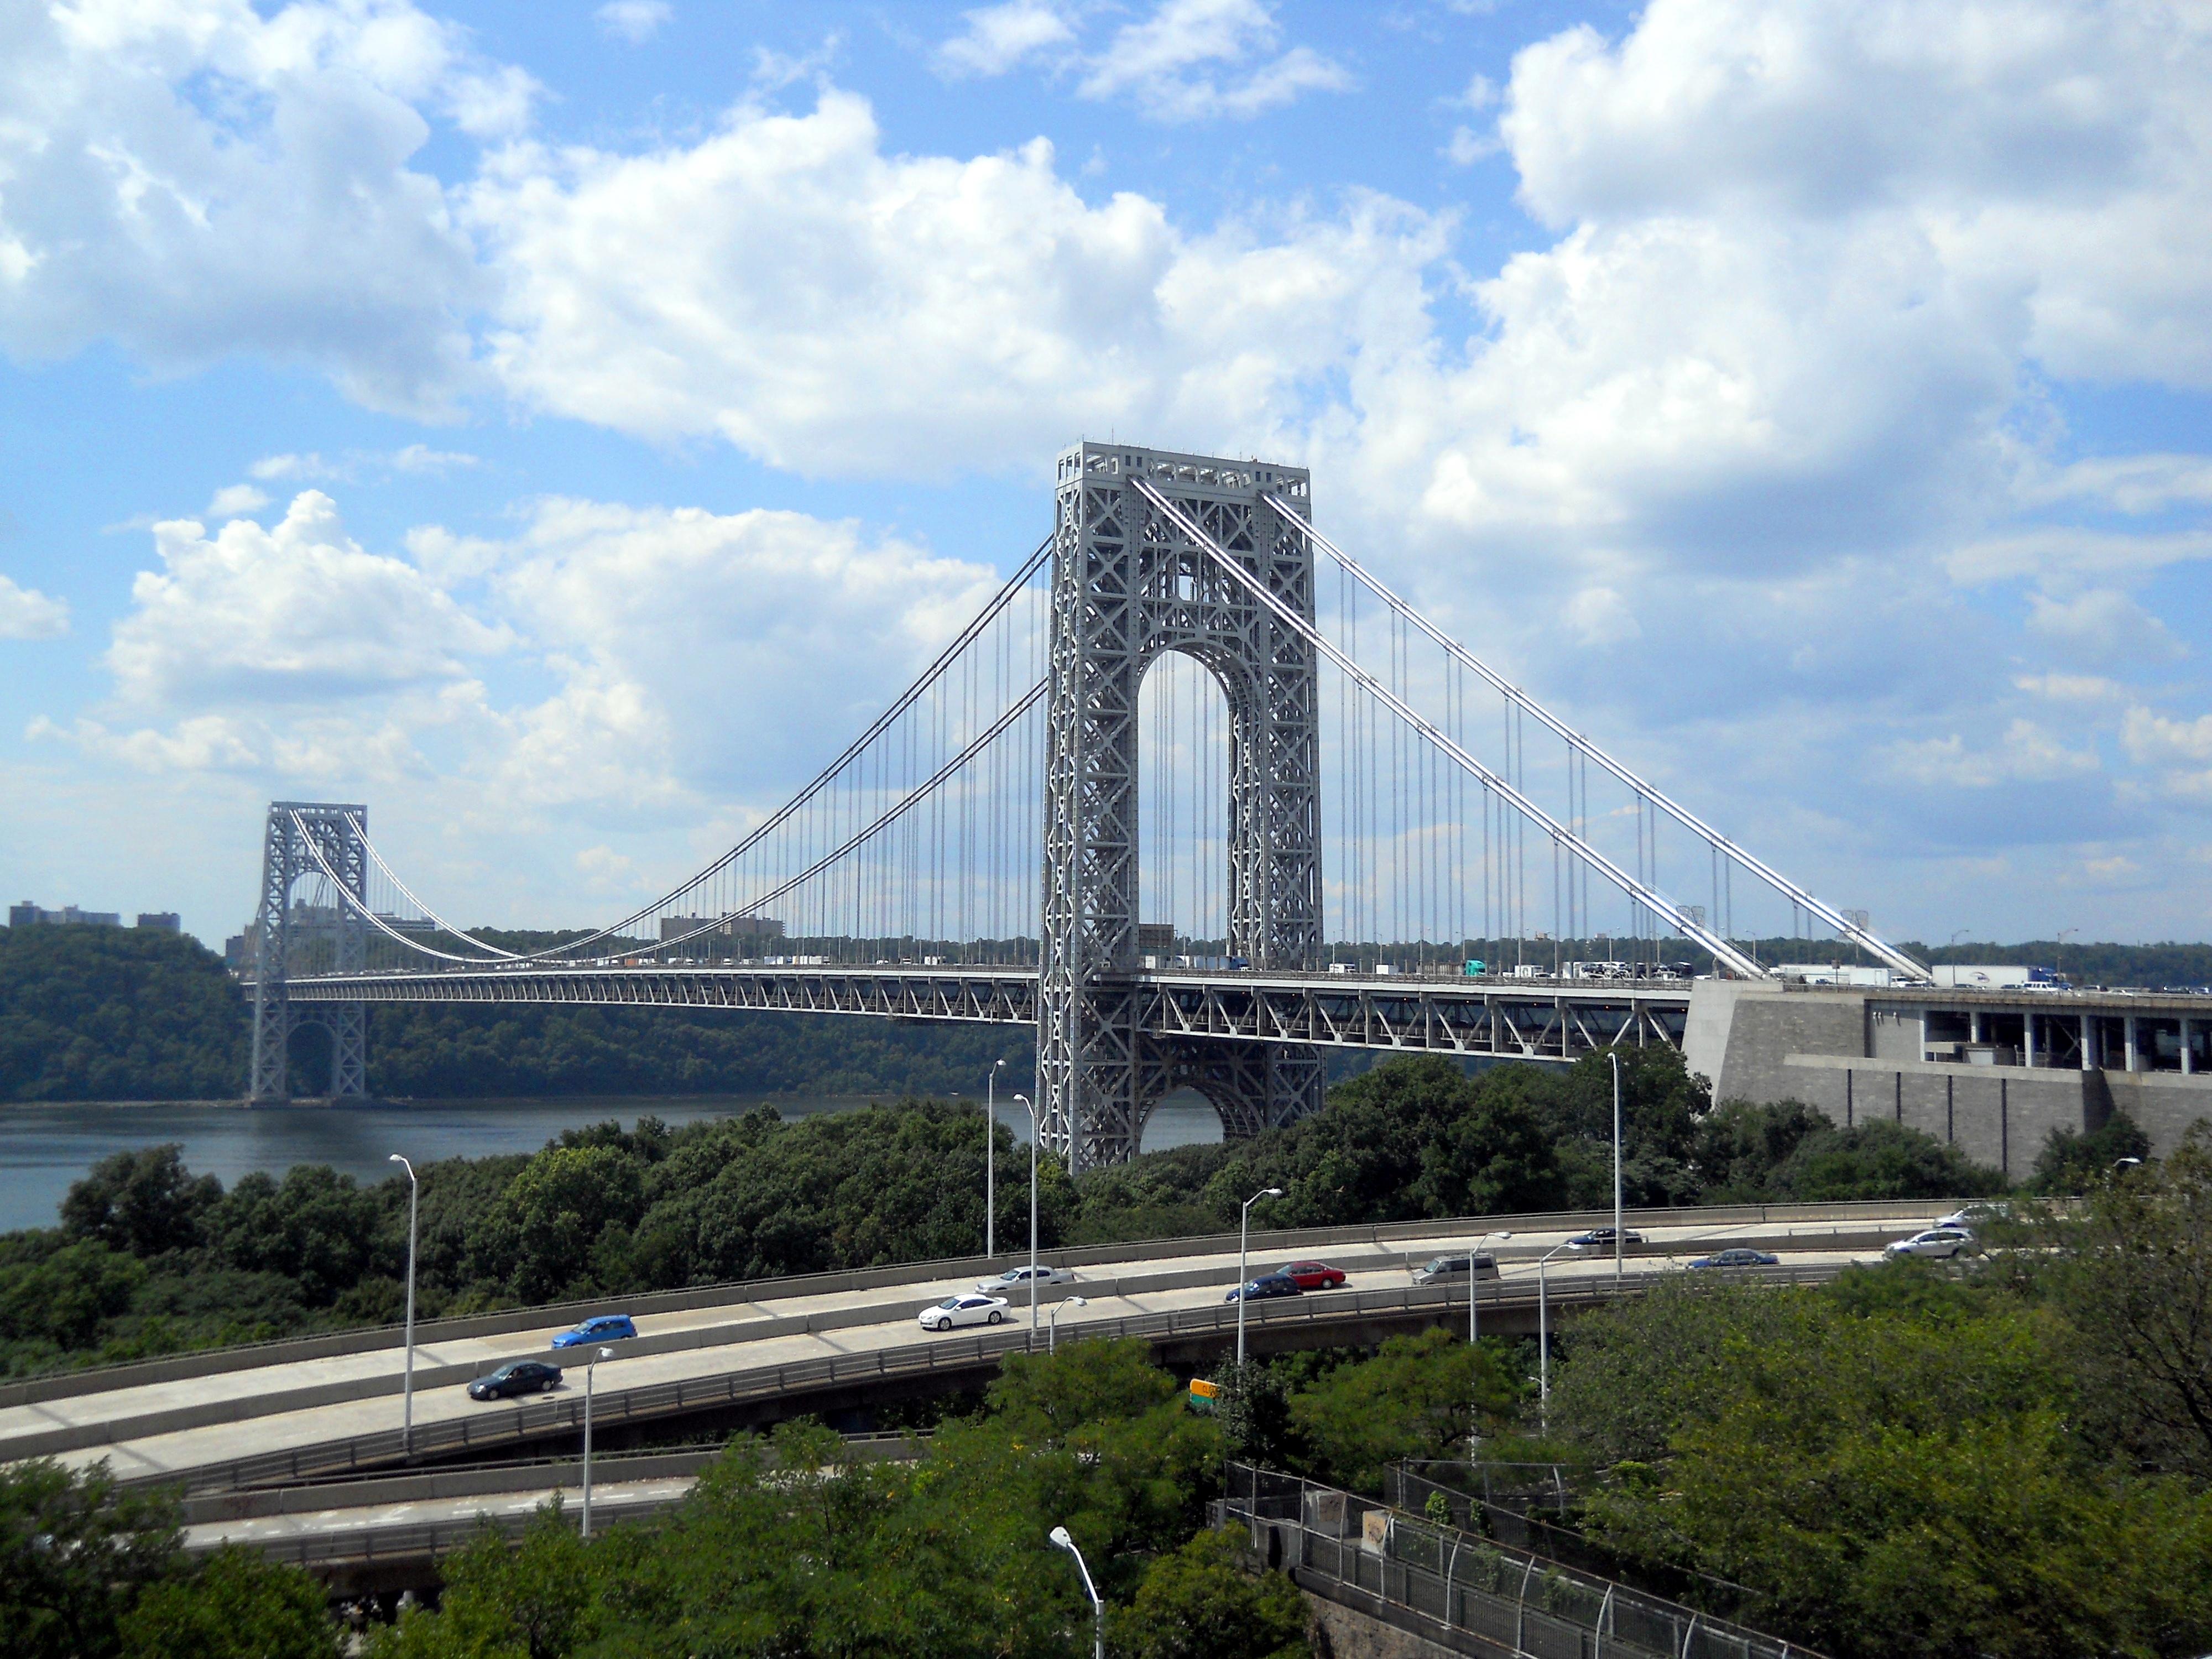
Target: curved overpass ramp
{"x": 286, "y": 1411}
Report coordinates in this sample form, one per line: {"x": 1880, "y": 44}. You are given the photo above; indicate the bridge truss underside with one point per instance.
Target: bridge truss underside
{"x": 1199, "y": 1031}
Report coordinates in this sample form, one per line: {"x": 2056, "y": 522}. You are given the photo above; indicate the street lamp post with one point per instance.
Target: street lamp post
{"x": 2119, "y": 1164}
{"x": 591, "y": 1376}
{"x": 1544, "y": 1336}
{"x": 1061, "y": 1539}
{"x": 1031, "y": 1107}
{"x": 1244, "y": 1235}
{"x": 407, "y": 1406}
{"x": 1473, "y": 1318}
{"x": 1052, "y": 1325}
{"x": 990, "y": 1160}
{"x": 1474, "y": 1325}
{"x": 1619, "y": 1239}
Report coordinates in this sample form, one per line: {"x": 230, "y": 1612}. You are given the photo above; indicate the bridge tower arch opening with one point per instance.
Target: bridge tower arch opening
{"x": 310, "y": 842}
{"x": 1128, "y": 587}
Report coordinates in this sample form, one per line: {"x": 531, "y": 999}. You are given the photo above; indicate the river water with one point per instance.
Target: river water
{"x": 43, "y": 1148}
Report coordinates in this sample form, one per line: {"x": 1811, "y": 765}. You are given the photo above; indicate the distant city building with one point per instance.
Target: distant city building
{"x": 162, "y": 921}
{"x": 28, "y": 914}
{"x": 728, "y": 927}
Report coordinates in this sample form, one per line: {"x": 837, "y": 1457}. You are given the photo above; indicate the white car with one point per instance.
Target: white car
{"x": 969, "y": 1310}
{"x": 1942, "y": 1243}
{"x": 1017, "y": 1278}
{"x": 1974, "y": 1216}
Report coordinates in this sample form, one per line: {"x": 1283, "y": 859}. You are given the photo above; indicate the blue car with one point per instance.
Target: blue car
{"x": 1263, "y": 1288}
{"x": 1739, "y": 1258}
{"x": 607, "y": 1328}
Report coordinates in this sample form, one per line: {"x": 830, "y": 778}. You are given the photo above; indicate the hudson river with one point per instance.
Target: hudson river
{"x": 43, "y": 1148}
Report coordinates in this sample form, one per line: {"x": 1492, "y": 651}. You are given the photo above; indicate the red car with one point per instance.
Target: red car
{"x": 1314, "y": 1275}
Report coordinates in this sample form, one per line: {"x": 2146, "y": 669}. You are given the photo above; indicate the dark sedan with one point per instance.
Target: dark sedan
{"x": 1600, "y": 1238}
{"x": 518, "y": 1377}
{"x": 1267, "y": 1285}
{"x": 1738, "y": 1258}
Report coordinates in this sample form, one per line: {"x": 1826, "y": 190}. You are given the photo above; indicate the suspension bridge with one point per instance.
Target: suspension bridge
{"x": 1117, "y": 806}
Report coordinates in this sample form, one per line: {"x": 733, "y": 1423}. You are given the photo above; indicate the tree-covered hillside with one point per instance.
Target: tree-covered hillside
{"x": 113, "y": 1013}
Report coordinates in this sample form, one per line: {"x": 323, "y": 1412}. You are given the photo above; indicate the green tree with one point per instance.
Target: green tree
{"x": 1878, "y": 1159}
{"x": 63, "y": 1296}
{"x": 1739, "y": 1145}
{"x": 2077, "y": 1160}
{"x": 1200, "y": 1603}
{"x": 75, "y": 1552}
{"x": 236, "y": 1605}
{"x": 2131, "y": 1271}
{"x": 1420, "y": 1396}
{"x": 145, "y": 1202}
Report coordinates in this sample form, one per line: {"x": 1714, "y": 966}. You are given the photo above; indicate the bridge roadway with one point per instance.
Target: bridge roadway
{"x": 1433, "y": 1013}
{"x": 318, "y": 1406}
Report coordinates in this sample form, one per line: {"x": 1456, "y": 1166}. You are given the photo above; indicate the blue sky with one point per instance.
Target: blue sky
{"x": 1811, "y": 403}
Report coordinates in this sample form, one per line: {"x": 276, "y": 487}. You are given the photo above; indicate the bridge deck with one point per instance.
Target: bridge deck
{"x": 1520, "y": 1019}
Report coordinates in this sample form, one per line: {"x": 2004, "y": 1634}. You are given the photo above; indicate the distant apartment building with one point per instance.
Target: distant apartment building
{"x": 28, "y": 914}
{"x": 162, "y": 921}
{"x": 727, "y": 927}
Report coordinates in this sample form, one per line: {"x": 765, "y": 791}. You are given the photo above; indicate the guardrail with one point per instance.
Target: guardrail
{"x": 554, "y": 1316}
{"x": 1462, "y": 1590}
{"x": 537, "y": 1419}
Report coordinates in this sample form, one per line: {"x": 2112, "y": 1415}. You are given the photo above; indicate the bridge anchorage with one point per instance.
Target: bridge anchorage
{"x": 1099, "y": 812}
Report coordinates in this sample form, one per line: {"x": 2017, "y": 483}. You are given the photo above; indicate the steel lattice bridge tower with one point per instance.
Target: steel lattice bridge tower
{"x": 1128, "y": 585}
{"x": 1042, "y": 829}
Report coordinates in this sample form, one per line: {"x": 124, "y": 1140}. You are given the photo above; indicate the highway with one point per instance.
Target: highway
{"x": 197, "y": 1427}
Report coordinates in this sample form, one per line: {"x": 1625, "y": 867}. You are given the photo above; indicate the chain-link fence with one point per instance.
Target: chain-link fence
{"x": 1442, "y": 1581}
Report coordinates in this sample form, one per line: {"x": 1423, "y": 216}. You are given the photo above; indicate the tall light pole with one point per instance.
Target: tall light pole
{"x": 407, "y": 1396}
{"x": 1544, "y": 1336}
{"x": 1097, "y": 1606}
{"x": 1052, "y": 1325}
{"x": 591, "y": 1376}
{"x": 2059, "y": 966}
{"x": 1619, "y": 1239}
{"x": 1029, "y": 1106}
{"x": 990, "y": 1160}
{"x": 1474, "y": 1325}
{"x": 1244, "y": 1237}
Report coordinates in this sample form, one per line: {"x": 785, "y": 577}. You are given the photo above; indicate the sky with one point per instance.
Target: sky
{"x": 561, "y": 427}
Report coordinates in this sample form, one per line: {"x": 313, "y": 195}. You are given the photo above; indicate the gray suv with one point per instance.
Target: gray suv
{"x": 1450, "y": 1269}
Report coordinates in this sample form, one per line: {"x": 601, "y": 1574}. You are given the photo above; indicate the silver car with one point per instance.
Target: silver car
{"x": 1017, "y": 1278}
{"x": 1939, "y": 1243}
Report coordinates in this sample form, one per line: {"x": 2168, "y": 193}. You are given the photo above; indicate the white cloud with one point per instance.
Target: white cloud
{"x": 178, "y": 177}
{"x": 2102, "y": 625}
{"x": 297, "y": 612}
{"x": 921, "y": 313}
{"x": 2179, "y": 752}
{"x": 997, "y": 39}
{"x": 2127, "y": 483}
{"x": 1165, "y": 64}
{"x": 678, "y": 634}
{"x": 635, "y": 21}
{"x": 2071, "y": 688}
{"x": 2025, "y": 753}
{"x": 1601, "y": 616}
{"x": 2066, "y": 553}
{"x": 28, "y": 614}
{"x": 234, "y": 500}
{"x": 357, "y": 463}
